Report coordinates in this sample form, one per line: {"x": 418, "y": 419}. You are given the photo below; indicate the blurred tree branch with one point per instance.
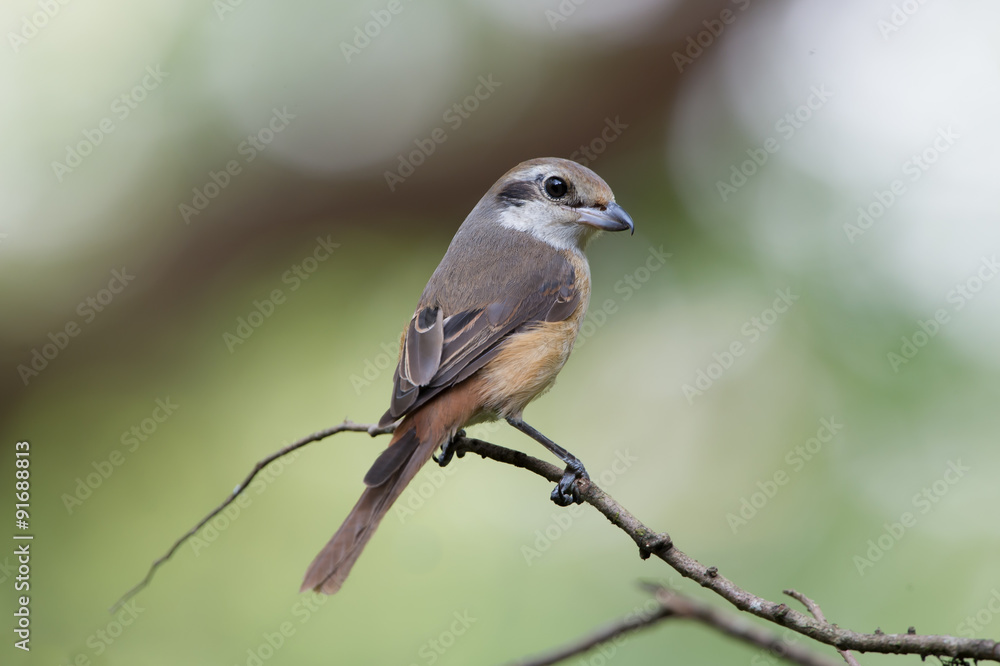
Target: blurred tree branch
{"x": 672, "y": 605}
{"x": 659, "y": 544}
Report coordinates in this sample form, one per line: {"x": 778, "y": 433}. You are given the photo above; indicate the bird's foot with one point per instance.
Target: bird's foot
{"x": 448, "y": 450}
{"x": 574, "y": 480}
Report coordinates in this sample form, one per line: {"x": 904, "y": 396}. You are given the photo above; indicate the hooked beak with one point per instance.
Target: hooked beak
{"x": 612, "y": 218}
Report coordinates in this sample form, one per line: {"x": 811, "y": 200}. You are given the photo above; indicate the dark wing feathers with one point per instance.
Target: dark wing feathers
{"x": 424, "y": 341}
{"x": 500, "y": 311}
{"x": 442, "y": 348}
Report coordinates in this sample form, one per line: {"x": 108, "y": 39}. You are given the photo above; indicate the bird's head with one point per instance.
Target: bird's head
{"x": 558, "y": 201}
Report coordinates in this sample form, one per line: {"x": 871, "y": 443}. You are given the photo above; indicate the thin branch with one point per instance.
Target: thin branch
{"x": 733, "y": 626}
{"x": 651, "y": 542}
{"x": 610, "y": 632}
{"x": 346, "y": 426}
{"x": 817, "y": 613}
{"x": 672, "y": 605}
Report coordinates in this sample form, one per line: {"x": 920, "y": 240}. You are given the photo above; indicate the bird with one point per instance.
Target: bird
{"x": 494, "y": 326}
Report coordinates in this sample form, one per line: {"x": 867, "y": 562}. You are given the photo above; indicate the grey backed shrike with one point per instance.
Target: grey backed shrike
{"x": 493, "y": 328}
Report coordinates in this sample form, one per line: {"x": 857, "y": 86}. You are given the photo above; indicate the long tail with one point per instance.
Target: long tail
{"x": 411, "y": 447}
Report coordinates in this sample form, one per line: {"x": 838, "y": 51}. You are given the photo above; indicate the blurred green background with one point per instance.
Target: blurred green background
{"x": 204, "y": 151}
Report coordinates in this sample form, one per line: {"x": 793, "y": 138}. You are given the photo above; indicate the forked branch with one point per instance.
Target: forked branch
{"x": 659, "y": 544}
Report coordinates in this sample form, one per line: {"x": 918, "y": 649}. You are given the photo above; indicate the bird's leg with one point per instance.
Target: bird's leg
{"x": 565, "y": 492}
{"x": 448, "y": 450}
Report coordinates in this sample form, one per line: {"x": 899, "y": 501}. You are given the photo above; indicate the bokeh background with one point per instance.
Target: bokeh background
{"x": 743, "y": 138}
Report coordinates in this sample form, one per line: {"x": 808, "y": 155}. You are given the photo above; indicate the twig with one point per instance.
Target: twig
{"x": 659, "y": 544}
{"x": 603, "y": 635}
{"x": 732, "y": 625}
{"x": 653, "y": 543}
{"x": 817, "y": 613}
{"x": 346, "y": 426}
{"x": 672, "y": 605}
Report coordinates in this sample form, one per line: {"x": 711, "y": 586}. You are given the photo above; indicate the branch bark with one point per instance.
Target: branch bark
{"x": 672, "y": 605}
{"x": 659, "y": 544}
{"x": 817, "y": 613}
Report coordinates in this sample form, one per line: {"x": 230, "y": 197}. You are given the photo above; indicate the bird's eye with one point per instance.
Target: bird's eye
{"x": 555, "y": 187}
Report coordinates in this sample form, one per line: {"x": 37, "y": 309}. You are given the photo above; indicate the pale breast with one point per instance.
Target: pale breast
{"x": 529, "y": 361}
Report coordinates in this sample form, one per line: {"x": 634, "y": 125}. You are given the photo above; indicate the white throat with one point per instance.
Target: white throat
{"x": 541, "y": 221}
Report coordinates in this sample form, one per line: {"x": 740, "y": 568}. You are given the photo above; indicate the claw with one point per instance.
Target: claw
{"x": 567, "y": 491}
{"x": 446, "y": 455}
{"x": 448, "y": 450}
{"x": 559, "y": 498}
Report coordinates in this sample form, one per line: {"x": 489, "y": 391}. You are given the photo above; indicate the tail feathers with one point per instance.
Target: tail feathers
{"x": 392, "y": 459}
{"x": 330, "y": 568}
